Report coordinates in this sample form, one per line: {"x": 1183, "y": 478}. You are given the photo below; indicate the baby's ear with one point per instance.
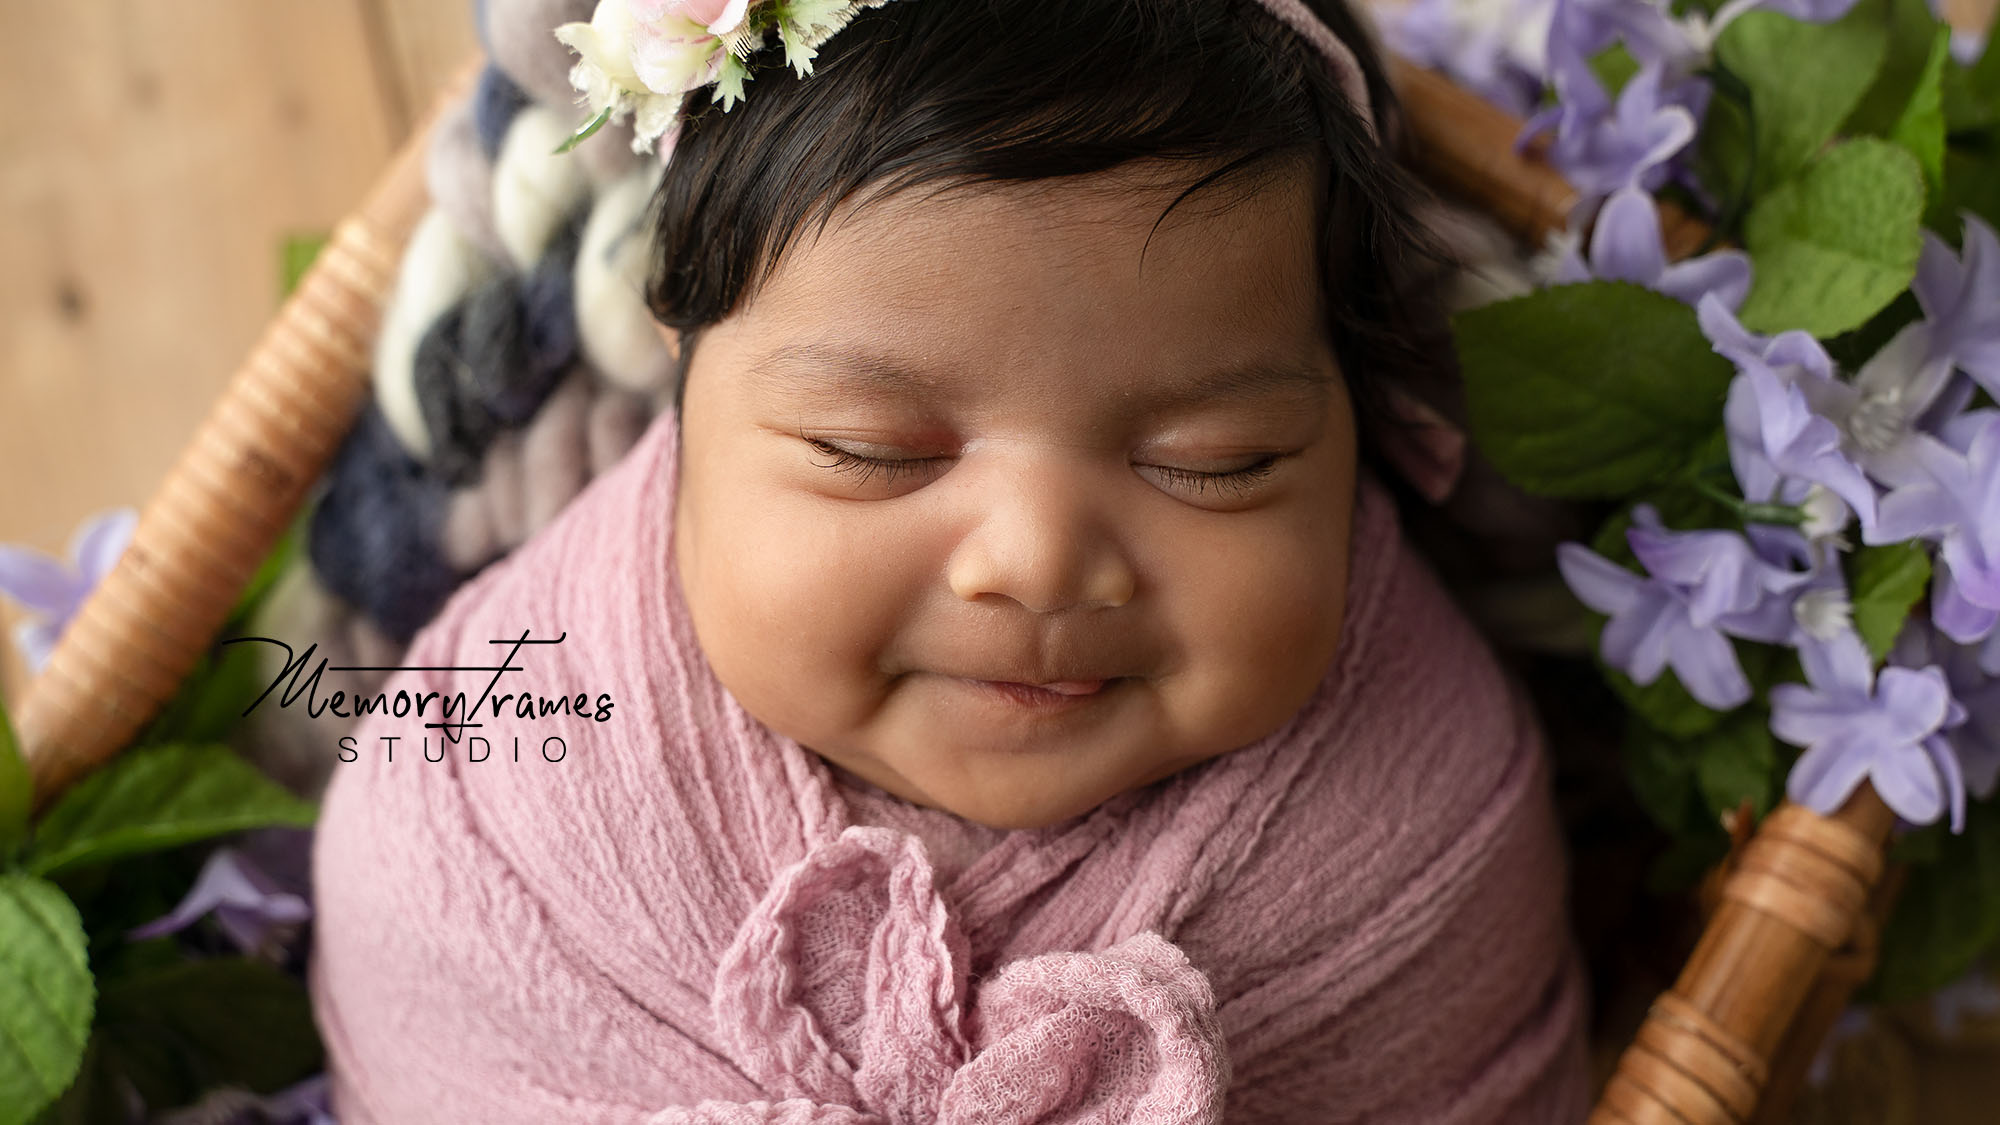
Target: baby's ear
{"x": 1427, "y": 448}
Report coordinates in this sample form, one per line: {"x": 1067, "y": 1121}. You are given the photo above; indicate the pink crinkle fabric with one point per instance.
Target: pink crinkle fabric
{"x": 690, "y": 919}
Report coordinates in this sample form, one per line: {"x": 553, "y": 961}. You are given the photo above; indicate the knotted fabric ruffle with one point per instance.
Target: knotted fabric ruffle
{"x": 846, "y": 991}
{"x": 676, "y": 915}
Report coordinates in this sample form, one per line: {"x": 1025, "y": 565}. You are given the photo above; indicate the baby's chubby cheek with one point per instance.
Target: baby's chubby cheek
{"x": 793, "y": 615}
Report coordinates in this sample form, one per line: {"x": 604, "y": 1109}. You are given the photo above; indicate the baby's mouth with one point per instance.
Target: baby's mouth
{"x": 1068, "y": 687}
{"x": 1052, "y": 695}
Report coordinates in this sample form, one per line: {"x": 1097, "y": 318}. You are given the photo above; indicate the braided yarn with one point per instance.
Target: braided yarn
{"x": 515, "y": 363}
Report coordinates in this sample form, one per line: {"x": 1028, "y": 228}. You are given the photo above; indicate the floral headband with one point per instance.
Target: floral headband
{"x": 639, "y": 57}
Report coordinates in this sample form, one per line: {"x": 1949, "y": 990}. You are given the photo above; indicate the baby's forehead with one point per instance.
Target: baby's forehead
{"x": 1135, "y": 253}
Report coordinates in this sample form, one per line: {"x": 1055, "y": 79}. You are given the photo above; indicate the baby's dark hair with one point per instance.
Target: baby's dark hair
{"x": 968, "y": 91}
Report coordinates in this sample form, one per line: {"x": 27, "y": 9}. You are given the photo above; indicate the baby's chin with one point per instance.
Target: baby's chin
{"x": 1009, "y": 790}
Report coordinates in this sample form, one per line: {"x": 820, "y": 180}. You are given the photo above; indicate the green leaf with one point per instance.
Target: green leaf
{"x": 1851, "y": 351}
{"x": 1909, "y": 30}
{"x": 1803, "y": 79}
{"x": 17, "y": 791}
{"x": 1920, "y": 128}
{"x": 1971, "y": 183}
{"x": 185, "y": 1028}
{"x": 1589, "y": 390}
{"x": 1614, "y": 66}
{"x": 1886, "y": 582}
{"x": 158, "y": 797}
{"x": 729, "y": 82}
{"x": 1837, "y": 244}
{"x": 1738, "y": 762}
{"x": 1686, "y": 784}
{"x": 1662, "y": 777}
{"x": 1948, "y": 914}
{"x": 211, "y": 699}
{"x": 46, "y": 996}
{"x": 1682, "y": 865}
{"x": 1972, "y": 94}
{"x": 295, "y": 256}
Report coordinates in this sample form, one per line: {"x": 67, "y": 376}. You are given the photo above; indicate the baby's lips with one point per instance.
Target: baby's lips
{"x": 1072, "y": 687}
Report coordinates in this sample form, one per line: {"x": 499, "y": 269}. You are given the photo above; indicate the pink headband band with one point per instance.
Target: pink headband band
{"x": 1295, "y": 15}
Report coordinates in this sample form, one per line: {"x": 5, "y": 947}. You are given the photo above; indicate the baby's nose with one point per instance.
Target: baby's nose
{"x": 1043, "y": 542}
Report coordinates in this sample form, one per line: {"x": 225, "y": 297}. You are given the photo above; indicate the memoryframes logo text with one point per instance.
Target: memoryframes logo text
{"x": 448, "y": 713}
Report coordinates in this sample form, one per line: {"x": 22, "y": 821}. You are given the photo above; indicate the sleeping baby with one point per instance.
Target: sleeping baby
{"x": 1025, "y": 706}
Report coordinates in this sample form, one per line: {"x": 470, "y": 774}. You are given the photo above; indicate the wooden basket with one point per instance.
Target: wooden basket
{"x": 1728, "y": 1044}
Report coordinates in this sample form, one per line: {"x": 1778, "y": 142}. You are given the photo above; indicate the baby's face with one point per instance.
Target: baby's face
{"x": 991, "y": 510}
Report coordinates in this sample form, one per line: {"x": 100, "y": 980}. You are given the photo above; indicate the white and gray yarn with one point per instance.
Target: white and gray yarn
{"x": 516, "y": 361}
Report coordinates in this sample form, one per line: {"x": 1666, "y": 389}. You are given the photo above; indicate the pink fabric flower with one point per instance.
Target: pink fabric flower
{"x": 847, "y": 990}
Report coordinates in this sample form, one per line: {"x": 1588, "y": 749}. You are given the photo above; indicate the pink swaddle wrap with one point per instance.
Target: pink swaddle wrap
{"x": 692, "y": 919}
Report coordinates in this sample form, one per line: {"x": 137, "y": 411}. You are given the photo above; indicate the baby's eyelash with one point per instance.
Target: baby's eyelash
{"x": 1236, "y": 481}
{"x": 847, "y": 461}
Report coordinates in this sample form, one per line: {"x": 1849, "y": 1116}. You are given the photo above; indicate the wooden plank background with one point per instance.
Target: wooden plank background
{"x": 154, "y": 158}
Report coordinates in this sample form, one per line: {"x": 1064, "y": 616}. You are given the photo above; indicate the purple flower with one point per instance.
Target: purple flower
{"x": 304, "y": 1103}
{"x": 1778, "y": 444}
{"x": 53, "y": 590}
{"x": 1852, "y": 1024}
{"x": 1968, "y": 45}
{"x": 1961, "y": 300}
{"x": 1898, "y": 392}
{"x": 1957, "y": 504}
{"x": 1600, "y": 145}
{"x": 1969, "y": 673}
{"x": 252, "y": 907}
{"x": 1856, "y": 726}
{"x": 1649, "y": 31}
{"x": 1701, "y": 586}
{"x": 1973, "y": 994}
{"x": 1625, "y": 245}
{"x": 1493, "y": 47}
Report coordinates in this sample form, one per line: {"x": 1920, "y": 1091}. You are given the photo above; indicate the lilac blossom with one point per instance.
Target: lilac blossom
{"x": 1492, "y": 47}
{"x": 1601, "y": 145}
{"x": 1780, "y": 449}
{"x": 1625, "y": 245}
{"x": 53, "y": 590}
{"x": 1968, "y": 45}
{"x": 303, "y": 1103}
{"x": 1974, "y": 994}
{"x": 1968, "y": 672}
{"x": 1853, "y": 1023}
{"x": 1857, "y": 726}
{"x": 253, "y": 908}
{"x": 1700, "y": 588}
{"x": 1895, "y": 395}
{"x": 1961, "y": 300}
{"x": 1650, "y": 32}
{"x": 1957, "y": 505}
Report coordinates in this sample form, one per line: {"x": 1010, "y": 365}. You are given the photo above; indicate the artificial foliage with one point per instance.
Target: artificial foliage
{"x": 1793, "y": 435}
{"x": 100, "y": 1021}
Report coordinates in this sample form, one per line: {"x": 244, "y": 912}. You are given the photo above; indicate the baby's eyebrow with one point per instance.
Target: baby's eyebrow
{"x": 822, "y": 367}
